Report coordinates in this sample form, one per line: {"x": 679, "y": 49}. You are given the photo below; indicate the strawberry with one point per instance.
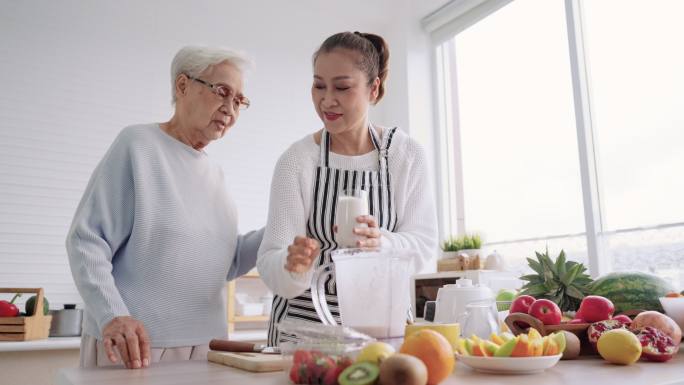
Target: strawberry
{"x": 301, "y": 356}
{"x": 332, "y": 374}
{"x": 294, "y": 373}
{"x": 322, "y": 365}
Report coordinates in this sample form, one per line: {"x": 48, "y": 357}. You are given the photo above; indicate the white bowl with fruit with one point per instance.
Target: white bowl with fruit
{"x": 673, "y": 303}
{"x": 506, "y": 353}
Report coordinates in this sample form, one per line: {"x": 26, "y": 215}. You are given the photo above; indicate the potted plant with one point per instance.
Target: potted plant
{"x": 468, "y": 244}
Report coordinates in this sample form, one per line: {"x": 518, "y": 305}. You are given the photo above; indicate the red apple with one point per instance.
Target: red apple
{"x": 623, "y": 318}
{"x": 546, "y": 311}
{"x": 522, "y": 304}
{"x": 595, "y": 308}
{"x": 577, "y": 321}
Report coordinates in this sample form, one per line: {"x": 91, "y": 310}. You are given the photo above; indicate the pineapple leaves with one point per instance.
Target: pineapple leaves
{"x": 561, "y": 265}
{"x": 536, "y": 266}
{"x": 574, "y": 292}
{"x": 561, "y": 281}
{"x": 571, "y": 274}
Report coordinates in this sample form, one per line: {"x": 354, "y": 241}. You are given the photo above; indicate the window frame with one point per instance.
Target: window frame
{"x": 443, "y": 25}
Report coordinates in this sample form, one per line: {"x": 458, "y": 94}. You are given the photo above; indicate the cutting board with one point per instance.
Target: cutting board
{"x": 253, "y": 362}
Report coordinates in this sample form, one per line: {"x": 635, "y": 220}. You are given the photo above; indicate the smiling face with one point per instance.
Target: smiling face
{"x": 206, "y": 115}
{"x": 340, "y": 91}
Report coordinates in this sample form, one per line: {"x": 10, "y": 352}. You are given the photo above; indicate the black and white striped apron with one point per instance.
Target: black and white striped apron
{"x": 328, "y": 182}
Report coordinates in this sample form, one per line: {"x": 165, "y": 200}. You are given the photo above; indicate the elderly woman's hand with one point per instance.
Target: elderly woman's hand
{"x": 301, "y": 254}
{"x": 130, "y": 338}
{"x": 372, "y": 232}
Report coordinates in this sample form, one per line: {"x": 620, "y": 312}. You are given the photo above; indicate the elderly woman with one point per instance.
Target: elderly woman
{"x": 154, "y": 238}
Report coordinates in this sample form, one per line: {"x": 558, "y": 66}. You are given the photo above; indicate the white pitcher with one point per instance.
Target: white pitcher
{"x": 373, "y": 290}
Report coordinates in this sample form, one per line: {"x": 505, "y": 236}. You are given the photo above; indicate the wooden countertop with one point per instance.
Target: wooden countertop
{"x": 580, "y": 372}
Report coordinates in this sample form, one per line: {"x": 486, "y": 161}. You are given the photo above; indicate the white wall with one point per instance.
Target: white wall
{"x": 73, "y": 73}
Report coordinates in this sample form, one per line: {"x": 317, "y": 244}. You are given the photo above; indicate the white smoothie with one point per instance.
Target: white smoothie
{"x": 348, "y": 208}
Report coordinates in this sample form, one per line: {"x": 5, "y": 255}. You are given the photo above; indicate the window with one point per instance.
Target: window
{"x": 638, "y": 98}
{"x": 521, "y": 184}
{"x": 510, "y": 137}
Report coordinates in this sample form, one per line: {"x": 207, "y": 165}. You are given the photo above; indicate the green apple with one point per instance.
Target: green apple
{"x": 505, "y": 295}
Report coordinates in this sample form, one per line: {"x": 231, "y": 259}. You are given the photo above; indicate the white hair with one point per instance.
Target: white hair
{"x": 193, "y": 60}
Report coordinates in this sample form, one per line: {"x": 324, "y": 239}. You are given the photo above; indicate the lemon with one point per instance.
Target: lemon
{"x": 375, "y": 352}
{"x": 619, "y": 346}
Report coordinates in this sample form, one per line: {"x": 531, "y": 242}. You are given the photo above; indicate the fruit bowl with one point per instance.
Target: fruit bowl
{"x": 509, "y": 365}
{"x": 674, "y": 308}
{"x": 515, "y": 322}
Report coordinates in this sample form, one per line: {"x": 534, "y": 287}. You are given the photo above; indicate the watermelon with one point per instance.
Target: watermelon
{"x": 631, "y": 290}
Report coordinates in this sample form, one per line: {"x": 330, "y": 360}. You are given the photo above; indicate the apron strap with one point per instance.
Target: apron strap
{"x": 325, "y": 148}
{"x": 383, "y": 149}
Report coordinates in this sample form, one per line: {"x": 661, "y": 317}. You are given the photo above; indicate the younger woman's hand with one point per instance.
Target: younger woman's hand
{"x": 301, "y": 254}
{"x": 372, "y": 232}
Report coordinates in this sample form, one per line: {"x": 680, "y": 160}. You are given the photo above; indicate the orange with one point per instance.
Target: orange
{"x": 435, "y": 352}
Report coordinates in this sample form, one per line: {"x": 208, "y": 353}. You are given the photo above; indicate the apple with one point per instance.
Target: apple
{"x": 623, "y": 318}
{"x": 522, "y": 304}
{"x": 546, "y": 311}
{"x": 577, "y": 321}
{"x": 503, "y": 297}
{"x": 595, "y": 308}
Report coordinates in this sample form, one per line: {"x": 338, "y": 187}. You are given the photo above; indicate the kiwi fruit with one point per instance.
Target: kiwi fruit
{"x": 403, "y": 369}
{"x": 572, "y": 346}
{"x": 360, "y": 373}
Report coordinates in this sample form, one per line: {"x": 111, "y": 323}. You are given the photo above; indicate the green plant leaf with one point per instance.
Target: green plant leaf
{"x": 570, "y": 275}
{"x": 536, "y": 266}
{"x": 531, "y": 278}
{"x": 538, "y": 288}
{"x": 572, "y": 291}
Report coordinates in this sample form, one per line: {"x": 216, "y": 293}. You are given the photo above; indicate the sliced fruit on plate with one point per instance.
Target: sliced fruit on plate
{"x": 489, "y": 348}
{"x": 496, "y": 339}
{"x": 506, "y": 349}
{"x": 560, "y": 340}
{"x": 521, "y": 348}
{"x": 551, "y": 347}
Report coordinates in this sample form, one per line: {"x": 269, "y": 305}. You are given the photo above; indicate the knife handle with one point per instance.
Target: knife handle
{"x": 231, "y": 346}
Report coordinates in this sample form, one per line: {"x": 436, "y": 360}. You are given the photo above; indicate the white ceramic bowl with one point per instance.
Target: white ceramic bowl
{"x": 510, "y": 365}
{"x": 674, "y": 308}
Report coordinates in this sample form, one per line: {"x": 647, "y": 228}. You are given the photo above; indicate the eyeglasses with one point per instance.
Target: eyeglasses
{"x": 239, "y": 102}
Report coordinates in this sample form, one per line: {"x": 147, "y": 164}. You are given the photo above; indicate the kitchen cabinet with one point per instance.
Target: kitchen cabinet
{"x": 232, "y": 289}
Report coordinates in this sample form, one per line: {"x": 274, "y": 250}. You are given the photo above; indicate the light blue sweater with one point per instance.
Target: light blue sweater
{"x": 155, "y": 237}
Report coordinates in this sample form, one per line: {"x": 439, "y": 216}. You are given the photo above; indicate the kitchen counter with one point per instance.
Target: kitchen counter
{"x": 581, "y": 372}
{"x": 52, "y": 343}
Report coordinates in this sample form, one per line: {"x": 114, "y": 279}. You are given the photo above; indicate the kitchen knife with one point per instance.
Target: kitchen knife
{"x": 242, "y": 347}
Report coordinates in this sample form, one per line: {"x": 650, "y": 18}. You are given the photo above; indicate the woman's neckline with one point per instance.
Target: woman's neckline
{"x": 317, "y": 137}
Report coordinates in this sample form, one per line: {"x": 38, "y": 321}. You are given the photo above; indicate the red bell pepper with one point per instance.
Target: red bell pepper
{"x": 9, "y": 309}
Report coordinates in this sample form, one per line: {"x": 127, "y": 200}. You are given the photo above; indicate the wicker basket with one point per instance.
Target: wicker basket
{"x": 35, "y": 327}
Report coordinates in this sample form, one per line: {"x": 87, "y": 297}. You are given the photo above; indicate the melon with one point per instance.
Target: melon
{"x": 631, "y": 290}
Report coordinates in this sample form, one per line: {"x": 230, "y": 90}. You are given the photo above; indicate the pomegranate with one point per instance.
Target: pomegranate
{"x": 661, "y": 322}
{"x": 623, "y": 318}
{"x": 655, "y": 344}
{"x": 594, "y": 308}
{"x": 597, "y": 329}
